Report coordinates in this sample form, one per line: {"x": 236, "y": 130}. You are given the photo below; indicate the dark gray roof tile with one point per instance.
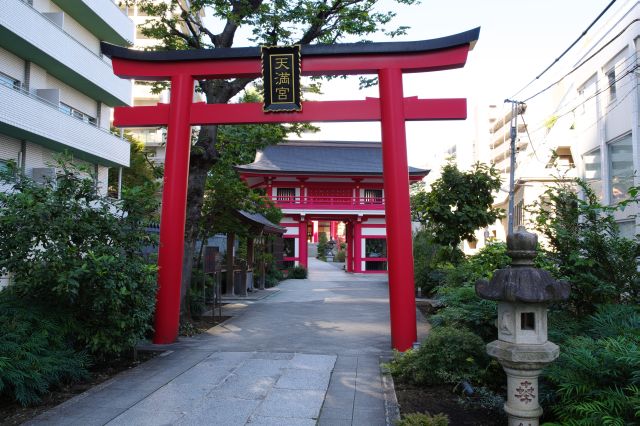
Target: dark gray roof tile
{"x": 321, "y": 157}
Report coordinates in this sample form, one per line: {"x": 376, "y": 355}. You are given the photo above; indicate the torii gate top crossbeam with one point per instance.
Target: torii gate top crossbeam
{"x": 342, "y": 59}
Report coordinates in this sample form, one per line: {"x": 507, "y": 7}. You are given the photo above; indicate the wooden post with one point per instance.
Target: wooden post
{"x": 230, "y": 240}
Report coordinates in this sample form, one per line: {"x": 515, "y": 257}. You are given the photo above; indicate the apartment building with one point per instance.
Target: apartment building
{"x": 56, "y": 89}
{"x": 153, "y": 138}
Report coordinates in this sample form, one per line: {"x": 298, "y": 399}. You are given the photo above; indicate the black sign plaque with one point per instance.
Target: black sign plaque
{"x": 281, "y": 75}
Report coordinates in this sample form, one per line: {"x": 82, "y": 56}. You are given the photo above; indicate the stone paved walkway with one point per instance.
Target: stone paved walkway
{"x": 308, "y": 354}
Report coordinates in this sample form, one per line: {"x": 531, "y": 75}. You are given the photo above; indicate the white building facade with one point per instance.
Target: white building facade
{"x": 56, "y": 89}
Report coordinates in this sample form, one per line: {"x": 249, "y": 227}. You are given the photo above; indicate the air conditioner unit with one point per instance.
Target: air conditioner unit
{"x": 43, "y": 175}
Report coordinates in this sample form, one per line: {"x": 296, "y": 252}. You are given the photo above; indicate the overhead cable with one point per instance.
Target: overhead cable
{"x": 567, "y": 49}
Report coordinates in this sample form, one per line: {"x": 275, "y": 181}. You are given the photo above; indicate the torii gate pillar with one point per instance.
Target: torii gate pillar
{"x": 397, "y": 210}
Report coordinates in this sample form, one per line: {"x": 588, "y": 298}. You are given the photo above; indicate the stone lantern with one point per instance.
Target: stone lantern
{"x": 522, "y": 348}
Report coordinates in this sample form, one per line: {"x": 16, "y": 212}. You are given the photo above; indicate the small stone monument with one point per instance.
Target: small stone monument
{"x": 522, "y": 348}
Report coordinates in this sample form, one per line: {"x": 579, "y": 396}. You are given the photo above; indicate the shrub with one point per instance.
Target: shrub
{"x": 341, "y": 256}
{"x": 596, "y": 379}
{"x": 463, "y": 308}
{"x": 73, "y": 251}
{"x": 420, "y": 419}
{"x": 585, "y": 248}
{"x": 322, "y": 246}
{"x": 298, "y": 272}
{"x": 447, "y": 355}
{"x": 479, "y": 266}
{"x": 34, "y": 353}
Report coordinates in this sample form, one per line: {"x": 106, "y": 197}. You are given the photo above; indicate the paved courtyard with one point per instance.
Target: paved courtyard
{"x": 308, "y": 354}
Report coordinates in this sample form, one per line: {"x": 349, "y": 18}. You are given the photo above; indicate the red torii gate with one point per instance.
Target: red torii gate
{"x": 388, "y": 60}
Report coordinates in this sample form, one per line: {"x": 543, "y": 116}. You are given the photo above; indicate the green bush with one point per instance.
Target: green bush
{"x": 463, "y": 308}
{"x": 34, "y": 352}
{"x": 322, "y": 246}
{"x": 479, "y": 266}
{"x": 447, "y": 355}
{"x": 71, "y": 250}
{"x": 586, "y": 249}
{"x": 420, "y": 419}
{"x": 298, "y": 272}
{"x": 596, "y": 379}
{"x": 341, "y": 256}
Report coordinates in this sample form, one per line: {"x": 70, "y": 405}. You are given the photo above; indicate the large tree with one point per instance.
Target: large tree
{"x": 179, "y": 25}
{"x": 458, "y": 203}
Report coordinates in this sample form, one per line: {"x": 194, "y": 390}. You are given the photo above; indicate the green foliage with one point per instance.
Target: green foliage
{"x": 458, "y": 203}
{"x": 340, "y": 256}
{"x": 72, "y": 250}
{"x": 447, "y": 355}
{"x": 597, "y": 376}
{"x": 463, "y": 308}
{"x": 586, "y": 249}
{"x": 141, "y": 171}
{"x": 322, "y": 245}
{"x": 420, "y": 419}
{"x": 34, "y": 354}
{"x": 298, "y": 272}
{"x": 481, "y": 265}
{"x": 430, "y": 264}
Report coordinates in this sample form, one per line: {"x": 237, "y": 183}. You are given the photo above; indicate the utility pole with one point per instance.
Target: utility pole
{"x": 512, "y": 170}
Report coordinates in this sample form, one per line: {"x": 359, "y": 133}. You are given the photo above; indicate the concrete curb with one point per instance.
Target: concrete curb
{"x": 391, "y": 406}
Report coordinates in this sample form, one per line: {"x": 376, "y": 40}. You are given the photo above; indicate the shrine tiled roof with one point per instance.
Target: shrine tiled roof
{"x": 321, "y": 157}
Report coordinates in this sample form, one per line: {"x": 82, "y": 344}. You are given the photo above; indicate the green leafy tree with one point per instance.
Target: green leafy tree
{"x": 141, "y": 171}
{"x": 178, "y": 25}
{"x": 584, "y": 247}
{"x": 458, "y": 203}
{"x": 76, "y": 253}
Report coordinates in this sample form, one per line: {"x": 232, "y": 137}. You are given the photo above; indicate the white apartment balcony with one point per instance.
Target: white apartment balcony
{"x": 102, "y": 17}
{"x": 26, "y": 116}
{"x": 30, "y": 35}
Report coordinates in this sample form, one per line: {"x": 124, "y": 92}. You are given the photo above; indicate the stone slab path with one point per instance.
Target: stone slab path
{"x": 308, "y": 354}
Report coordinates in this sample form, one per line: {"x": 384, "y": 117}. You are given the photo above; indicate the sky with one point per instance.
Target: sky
{"x": 518, "y": 39}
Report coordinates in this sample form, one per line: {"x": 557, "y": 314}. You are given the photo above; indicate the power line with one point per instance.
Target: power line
{"x": 629, "y": 70}
{"x": 567, "y": 49}
{"x": 583, "y": 62}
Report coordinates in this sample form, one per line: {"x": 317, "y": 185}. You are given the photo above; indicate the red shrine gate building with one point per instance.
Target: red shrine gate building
{"x": 331, "y": 187}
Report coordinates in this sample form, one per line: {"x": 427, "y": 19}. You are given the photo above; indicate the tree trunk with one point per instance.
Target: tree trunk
{"x": 200, "y": 162}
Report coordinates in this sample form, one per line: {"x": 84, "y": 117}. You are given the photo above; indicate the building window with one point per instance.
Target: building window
{"x": 611, "y": 81}
{"x": 518, "y": 214}
{"x": 285, "y": 194}
{"x": 289, "y": 248}
{"x": 375, "y": 247}
{"x": 627, "y": 229}
{"x": 11, "y": 82}
{"x": 620, "y": 155}
{"x": 593, "y": 171}
{"x": 69, "y": 110}
{"x": 373, "y": 196}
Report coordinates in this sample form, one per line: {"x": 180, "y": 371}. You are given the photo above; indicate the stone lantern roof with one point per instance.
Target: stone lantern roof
{"x": 522, "y": 282}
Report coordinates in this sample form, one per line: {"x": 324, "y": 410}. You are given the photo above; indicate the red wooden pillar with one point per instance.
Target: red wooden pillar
{"x": 172, "y": 219}
{"x": 398, "y": 217}
{"x": 315, "y": 231}
{"x": 332, "y": 230}
{"x": 357, "y": 246}
{"x": 302, "y": 243}
{"x": 349, "y": 257}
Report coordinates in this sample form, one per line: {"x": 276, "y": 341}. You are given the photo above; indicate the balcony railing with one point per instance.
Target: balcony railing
{"x": 341, "y": 203}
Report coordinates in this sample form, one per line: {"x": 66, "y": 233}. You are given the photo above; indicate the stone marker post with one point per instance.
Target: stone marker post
{"x": 522, "y": 348}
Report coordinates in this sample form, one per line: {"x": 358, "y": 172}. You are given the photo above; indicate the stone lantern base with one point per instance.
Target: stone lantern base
{"x": 523, "y": 364}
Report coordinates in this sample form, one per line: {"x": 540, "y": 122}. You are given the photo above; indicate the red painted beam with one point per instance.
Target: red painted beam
{"x": 319, "y": 65}
{"x": 324, "y": 111}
